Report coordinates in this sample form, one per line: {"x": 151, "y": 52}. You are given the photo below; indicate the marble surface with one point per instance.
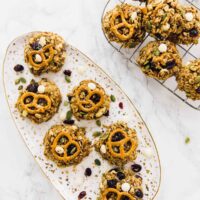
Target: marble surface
{"x": 169, "y": 120}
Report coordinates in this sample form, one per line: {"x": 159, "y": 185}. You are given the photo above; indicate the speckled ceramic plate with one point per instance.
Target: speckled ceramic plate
{"x": 71, "y": 181}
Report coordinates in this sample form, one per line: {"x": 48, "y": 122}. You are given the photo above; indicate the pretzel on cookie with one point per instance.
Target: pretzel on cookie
{"x": 65, "y": 157}
{"x": 121, "y": 144}
{"x": 118, "y": 194}
{"x": 86, "y": 104}
{"x": 115, "y": 27}
{"x": 33, "y": 107}
{"x": 45, "y": 61}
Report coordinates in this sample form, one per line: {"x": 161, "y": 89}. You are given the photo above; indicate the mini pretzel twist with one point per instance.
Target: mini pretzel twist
{"x": 118, "y": 193}
{"x": 70, "y": 141}
{"x": 33, "y": 107}
{"x": 121, "y": 144}
{"x": 83, "y": 103}
{"x": 115, "y": 27}
{"x": 45, "y": 61}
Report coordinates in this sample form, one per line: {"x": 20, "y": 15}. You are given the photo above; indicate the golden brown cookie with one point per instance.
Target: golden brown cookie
{"x": 189, "y": 79}
{"x": 45, "y": 51}
{"x": 66, "y": 145}
{"x": 118, "y": 144}
{"x": 89, "y": 100}
{"x": 123, "y": 24}
{"x": 159, "y": 59}
{"x": 39, "y": 101}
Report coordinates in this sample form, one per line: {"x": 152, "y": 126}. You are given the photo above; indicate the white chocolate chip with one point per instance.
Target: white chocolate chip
{"x": 42, "y": 41}
{"x": 189, "y": 16}
{"x": 103, "y": 149}
{"x": 38, "y": 58}
{"x": 59, "y": 150}
{"x": 133, "y": 16}
{"x": 166, "y": 27}
{"x": 62, "y": 116}
{"x": 41, "y": 89}
{"x": 92, "y": 86}
{"x": 125, "y": 187}
{"x": 24, "y": 113}
{"x": 147, "y": 152}
{"x": 162, "y": 48}
{"x": 81, "y": 69}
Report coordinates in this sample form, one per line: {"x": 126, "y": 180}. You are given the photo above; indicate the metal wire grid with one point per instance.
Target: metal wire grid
{"x": 187, "y": 52}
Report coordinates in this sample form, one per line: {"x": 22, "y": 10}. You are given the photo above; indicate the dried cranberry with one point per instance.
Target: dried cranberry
{"x": 69, "y": 121}
{"x": 67, "y": 72}
{"x": 107, "y": 113}
{"x": 88, "y": 172}
{"x": 170, "y": 64}
{"x": 120, "y": 175}
{"x": 95, "y": 98}
{"x": 69, "y": 98}
{"x": 18, "y": 68}
{"x": 139, "y": 194}
{"x": 194, "y": 32}
{"x": 117, "y": 137}
{"x": 36, "y": 46}
{"x": 159, "y": 37}
{"x": 198, "y": 90}
{"x": 82, "y": 194}
{"x": 121, "y": 105}
{"x": 173, "y": 37}
{"x": 125, "y": 198}
{"x": 136, "y": 167}
{"x": 33, "y": 87}
{"x": 112, "y": 183}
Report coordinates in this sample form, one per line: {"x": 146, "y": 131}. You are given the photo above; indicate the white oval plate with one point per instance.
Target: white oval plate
{"x": 71, "y": 181}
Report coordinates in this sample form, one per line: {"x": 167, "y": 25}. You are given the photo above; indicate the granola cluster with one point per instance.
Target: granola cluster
{"x": 118, "y": 144}
{"x": 159, "y": 59}
{"x": 66, "y": 145}
{"x": 44, "y": 52}
{"x": 189, "y": 79}
{"x": 39, "y": 101}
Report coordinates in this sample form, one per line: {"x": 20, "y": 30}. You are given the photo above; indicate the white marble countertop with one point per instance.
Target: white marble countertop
{"x": 169, "y": 120}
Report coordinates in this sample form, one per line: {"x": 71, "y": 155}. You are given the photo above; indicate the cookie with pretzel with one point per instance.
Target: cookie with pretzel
{"x": 45, "y": 51}
{"x": 123, "y": 25}
{"x": 118, "y": 144}
{"x": 89, "y": 100}
{"x": 159, "y": 59}
{"x": 119, "y": 184}
{"x": 39, "y": 101}
{"x": 66, "y": 145}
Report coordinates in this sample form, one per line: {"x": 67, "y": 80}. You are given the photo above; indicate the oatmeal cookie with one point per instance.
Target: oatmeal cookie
{"x": 66, "y": 145}
{"x": 118, "y": 145}
{"x": 123, "y": 25}
{"x": 163, "y": 21}
{"x": 120, "y": 184}
{"x": 39, "y": 101}
{"x": 45, "y": 51}
{"x": 189, "y": 79}
{"x": 190, "y": 25}
{"x": 89, "y": 100}
{"x": 159, "y": 59}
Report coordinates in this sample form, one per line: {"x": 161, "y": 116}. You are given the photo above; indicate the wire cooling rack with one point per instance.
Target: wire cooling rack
{"x": 187, "y": 53}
